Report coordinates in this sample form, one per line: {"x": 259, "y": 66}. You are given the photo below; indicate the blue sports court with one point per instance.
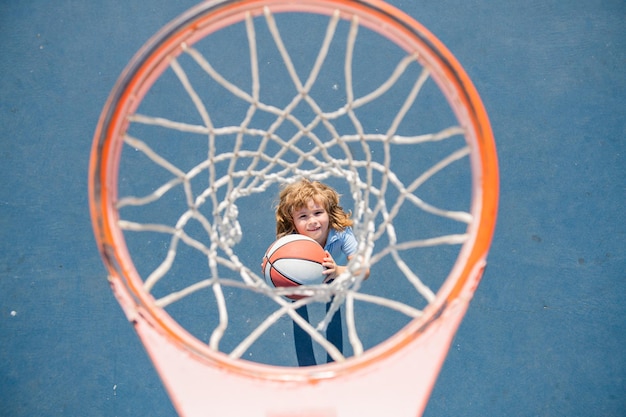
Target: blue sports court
{"x": 545, "y": 332}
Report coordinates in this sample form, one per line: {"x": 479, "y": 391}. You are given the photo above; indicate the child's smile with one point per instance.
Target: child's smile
{"x": 312, "y": 221}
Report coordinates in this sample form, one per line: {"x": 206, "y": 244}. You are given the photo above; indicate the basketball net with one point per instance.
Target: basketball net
{"x": 399, "y": 130}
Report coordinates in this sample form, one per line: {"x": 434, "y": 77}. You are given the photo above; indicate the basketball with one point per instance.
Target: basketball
{"x": 294, "y": 260}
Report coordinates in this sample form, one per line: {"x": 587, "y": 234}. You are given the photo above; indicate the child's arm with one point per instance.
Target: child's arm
{"x": 332, "y": 270}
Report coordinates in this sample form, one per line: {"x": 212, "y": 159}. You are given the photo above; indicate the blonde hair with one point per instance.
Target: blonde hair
{"x": 297, "y": 195}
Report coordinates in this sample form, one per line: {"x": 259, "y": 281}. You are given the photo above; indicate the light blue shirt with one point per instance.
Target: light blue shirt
{"x": 341, "y": 244}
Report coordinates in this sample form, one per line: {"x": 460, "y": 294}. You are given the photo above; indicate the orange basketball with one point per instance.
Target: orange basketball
{"x": 294, "y": 260}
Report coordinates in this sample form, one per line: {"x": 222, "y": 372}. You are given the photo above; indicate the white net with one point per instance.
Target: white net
{"x": 267, "y": 101}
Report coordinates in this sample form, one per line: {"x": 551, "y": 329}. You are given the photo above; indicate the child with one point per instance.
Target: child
{"x": 312, "y": 209}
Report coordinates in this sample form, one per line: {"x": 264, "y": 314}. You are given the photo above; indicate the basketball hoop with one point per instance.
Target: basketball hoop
{"x": 354, "y": 93}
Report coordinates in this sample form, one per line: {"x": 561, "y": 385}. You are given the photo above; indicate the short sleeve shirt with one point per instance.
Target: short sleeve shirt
{"x": 341, "y": 244}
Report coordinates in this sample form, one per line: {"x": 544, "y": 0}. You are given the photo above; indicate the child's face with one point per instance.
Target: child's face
{"x": 312, "y": 221}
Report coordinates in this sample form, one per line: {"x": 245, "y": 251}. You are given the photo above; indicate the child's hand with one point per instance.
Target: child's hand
{"x": 331, "y": 269}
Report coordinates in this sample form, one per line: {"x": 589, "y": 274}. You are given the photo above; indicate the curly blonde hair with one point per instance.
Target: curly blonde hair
{"x": 297, "y": 195}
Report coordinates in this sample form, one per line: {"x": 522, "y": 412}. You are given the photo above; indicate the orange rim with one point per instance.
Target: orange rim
{"x": 151, "y": 61}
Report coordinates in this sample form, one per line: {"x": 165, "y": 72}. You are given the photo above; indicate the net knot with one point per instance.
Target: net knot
{"x": 228, "y": 226}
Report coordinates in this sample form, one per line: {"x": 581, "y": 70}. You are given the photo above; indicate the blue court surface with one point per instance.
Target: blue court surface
{"x": 545, "y": 334}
